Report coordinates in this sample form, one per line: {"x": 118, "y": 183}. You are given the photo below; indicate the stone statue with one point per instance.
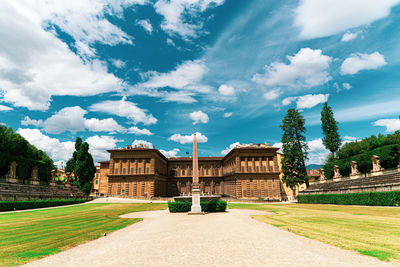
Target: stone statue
{"x": 336, "y": 172}
{"x": 13, "y": 169}
{"x": 354, "y": 169}
{"x": 322, "y": 177}
{"x": 376, "y": 165}
{"x": 35, "y": 175}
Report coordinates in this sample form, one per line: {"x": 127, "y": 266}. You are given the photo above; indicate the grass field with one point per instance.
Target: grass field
{"x": 373, "y": 231}
{"x": 29, "y": 235}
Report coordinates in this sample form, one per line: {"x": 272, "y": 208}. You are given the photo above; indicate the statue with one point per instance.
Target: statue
{"x": 53, "y": 177}
{"x": 35, "y": 175}
{"x": 12, "y": 175}
{"x": 336, "y": 175}
{"x": 376, "y": 164}
{"x": 322, "y": 178}
{"x": 13, "y": 169}
{"x": 67, "y": 181}
{"x": 354, "y": 168}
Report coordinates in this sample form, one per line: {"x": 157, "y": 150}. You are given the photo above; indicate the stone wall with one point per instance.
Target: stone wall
{"x": 16, "y": 191}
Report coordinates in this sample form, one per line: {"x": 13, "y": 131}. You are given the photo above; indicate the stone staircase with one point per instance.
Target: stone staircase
{"x": 11, "y": 191}
{"x": 388, "y": 181}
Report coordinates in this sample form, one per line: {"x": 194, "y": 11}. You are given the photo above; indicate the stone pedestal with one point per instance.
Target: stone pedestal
{"x": 11, "y": 180}
{"x": 35, "y": 181}
{"x": 196, "y": 208}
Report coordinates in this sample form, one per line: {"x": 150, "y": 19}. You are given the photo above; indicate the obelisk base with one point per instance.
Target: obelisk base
{"x": 196, "y": 208}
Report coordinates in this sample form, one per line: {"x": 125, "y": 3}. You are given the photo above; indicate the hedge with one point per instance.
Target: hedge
{"x": 34, "y": 204}
{"x": 209, "y": 206}
{"x": 391, "y": 198}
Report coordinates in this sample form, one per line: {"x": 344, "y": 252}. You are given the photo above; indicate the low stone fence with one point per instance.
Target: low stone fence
{"x": 18, "y": 191}
{"x": 376, "y": 181}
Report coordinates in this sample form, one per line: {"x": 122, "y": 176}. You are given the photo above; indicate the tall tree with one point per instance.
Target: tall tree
{"x": 330, "y": 130}
{"x": 294, "y": 149}
{"x": 81, "y": 164}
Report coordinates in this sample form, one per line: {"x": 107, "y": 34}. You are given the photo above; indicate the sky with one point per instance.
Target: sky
{"x": 154, "y": 72}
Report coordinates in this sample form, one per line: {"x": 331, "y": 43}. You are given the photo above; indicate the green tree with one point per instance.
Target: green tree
{"x": 294, "y": 149}
{"x": 330, "y": 129}
{"x": 81, "y": 164}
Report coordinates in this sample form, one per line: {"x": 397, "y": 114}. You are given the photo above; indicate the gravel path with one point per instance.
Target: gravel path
{"x": 221, "y": 239}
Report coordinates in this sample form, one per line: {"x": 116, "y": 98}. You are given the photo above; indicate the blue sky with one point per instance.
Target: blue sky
{"x": 120, "y": 72}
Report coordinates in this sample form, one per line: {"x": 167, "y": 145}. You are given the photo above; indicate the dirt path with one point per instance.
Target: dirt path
{"x": 221, "y": 239}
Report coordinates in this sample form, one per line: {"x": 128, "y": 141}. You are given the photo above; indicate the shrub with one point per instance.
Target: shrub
{"x": 34, "y": 204}
{"x": 391, "y": 198}
{"x": 206, "y": 206}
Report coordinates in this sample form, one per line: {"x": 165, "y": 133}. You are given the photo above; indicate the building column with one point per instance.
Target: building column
{"x": 246, "y": 167}
{"x": 254, "y": 164}
{"x": 260, "y": 167}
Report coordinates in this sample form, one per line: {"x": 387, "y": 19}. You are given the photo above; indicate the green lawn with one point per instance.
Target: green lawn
{"x": 29, "y": 235}
{"x": 373, "y": 231}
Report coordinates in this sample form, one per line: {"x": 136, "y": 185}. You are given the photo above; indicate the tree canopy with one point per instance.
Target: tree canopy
{"x": 13, "y": 147}
{"x": 387, "y": 147}
{"x": 294, "y": 149}
{"x": 81, "y": 164}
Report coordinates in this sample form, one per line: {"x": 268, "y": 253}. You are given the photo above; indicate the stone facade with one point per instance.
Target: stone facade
{"x": 247, "y": 171}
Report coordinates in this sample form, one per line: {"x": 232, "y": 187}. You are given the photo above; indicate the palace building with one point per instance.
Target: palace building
{"x": 247, "y": 171}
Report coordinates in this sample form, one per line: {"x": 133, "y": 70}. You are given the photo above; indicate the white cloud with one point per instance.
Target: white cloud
{"x": 309, "y": 101}
{"x": 137, "y": 131}
{"x": 198, "y": 117}
{"x": 98, "y": 146}
{"x": 306, "y": 101}
{"x": 28, "y": 121}
{"x": 346, "y": 86}
{"x": 349, "y": 138}
{"x": 125, "y": 109}
{"x": 179, "y": 15}
{"x": 227, "y": 114}
{"x": 358, "y": 62}
{"x": 118, "y": 63}
{"x": 229, "y": 148}
{"x": 390, "y": 124}
{"x": 288, "y": 100}
{"x": 146, "y": 25}
{"x": 317, "y": 152}
{"x": 72, "y": 119}
{"x": 52, "y": 146}
{"x": 307, "y": 68}
{"x": 42, "y": 65}
{"x": 186, "y": 139}
{"x": 348, "y": 36}
{"x": 171, "y": 153}
{"x": 185, "y": 76}
{"x": 317, "y": 18}
{"x": 137, "y": 143}
{"x": 272, "y": 94}
{"x": 105, "y": 125}
{"x": 226, "y": 90}
{"x": 5, "y": 108}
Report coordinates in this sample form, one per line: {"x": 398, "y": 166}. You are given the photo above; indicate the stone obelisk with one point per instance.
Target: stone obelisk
{"x": 196, "y": 208}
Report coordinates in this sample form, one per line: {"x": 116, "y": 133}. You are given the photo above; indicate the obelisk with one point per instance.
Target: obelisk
{"x": 196, "y": 208}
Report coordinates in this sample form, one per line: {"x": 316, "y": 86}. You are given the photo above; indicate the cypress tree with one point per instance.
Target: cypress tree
{"x": 330, "y": 130}
{"x": 294, "y": 149}
{"x": 81, "y": 164}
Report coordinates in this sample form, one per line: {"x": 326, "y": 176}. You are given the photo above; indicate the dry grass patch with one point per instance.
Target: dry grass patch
{"x": 29, "y": 235}
{"x": 373, "y": 231}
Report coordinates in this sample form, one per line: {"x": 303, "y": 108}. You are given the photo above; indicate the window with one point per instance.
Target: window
{"x": 116, "y": 161}
{"x": 173, "y": 173}
{"x": 116, "y": 171}
{"x": 206, "y": 171}
{"x": 242, "y": 168}
{"x": 123, "y": 171}
{"x": 147, "y": 170}
{"x": 183, "y": 172}
{"x": 97, "y": 181}
{"x": 140, "y": 170}
{"x": 131, "y": 170}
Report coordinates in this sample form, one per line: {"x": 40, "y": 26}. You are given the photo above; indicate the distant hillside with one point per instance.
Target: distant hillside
{"x": 314, "y": 166}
